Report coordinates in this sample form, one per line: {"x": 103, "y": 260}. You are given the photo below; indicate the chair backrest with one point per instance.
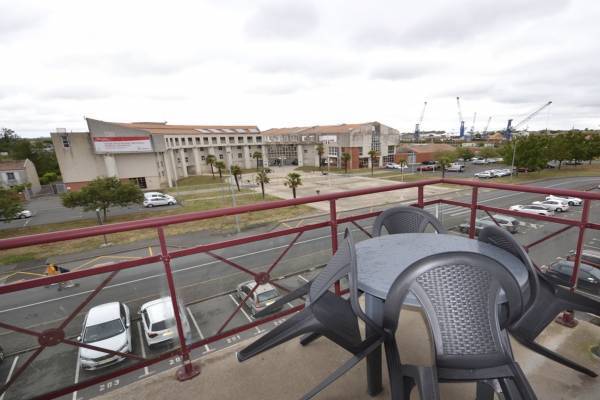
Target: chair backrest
{"x": 459, "y": 295}
{"x": 343, "y": 263}
{"x": 503, "y": 239}
{"x": 405, "y": 219}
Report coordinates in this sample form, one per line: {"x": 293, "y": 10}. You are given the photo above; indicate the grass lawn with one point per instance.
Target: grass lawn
{"x": 247, "y": 220}
{"x": 207, "y": 181}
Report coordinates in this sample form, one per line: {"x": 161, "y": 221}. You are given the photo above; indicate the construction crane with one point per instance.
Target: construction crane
{"x": 472, "y": 132}
{"x": 418, "y": 125}
{"x": 486, "y": 126}
{"x": 510, "y": 128}
{"x": 461, "y": 120}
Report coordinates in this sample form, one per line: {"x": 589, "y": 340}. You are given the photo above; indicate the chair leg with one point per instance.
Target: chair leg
{"x": 397, "y": 384}
{"x": 522, "y": 383}
{"x": 309, "y": 338}
{"x": 555, "y": 356}
{"x": 510, "y": 390}
{"x": 485, "y": 391}
{"x": 425, "y": 380}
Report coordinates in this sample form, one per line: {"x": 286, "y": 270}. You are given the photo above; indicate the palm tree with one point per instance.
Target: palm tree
{"x": 236, "y": 172}
{"x": 262, "y": 178}
{"x": 320, "y": 152}
{"x": 346, "y": 157}
{"x": 373, "y": 154}
{"x": 293, "y": 180}
{"x": 220, "y": 166}
{"x": 257, "y": 155}
{"x": 210, "y": 160}
{"x": 402, "y": 163}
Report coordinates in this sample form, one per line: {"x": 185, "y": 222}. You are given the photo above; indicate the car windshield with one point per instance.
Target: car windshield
{"x": 161, "y": 325}
{"x": 268, "y": 295}
{"x": 105, "y": 330}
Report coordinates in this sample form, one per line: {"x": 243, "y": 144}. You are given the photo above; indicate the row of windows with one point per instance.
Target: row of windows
{"x": 220, "y": 148}
{"x": 197, "y": 141}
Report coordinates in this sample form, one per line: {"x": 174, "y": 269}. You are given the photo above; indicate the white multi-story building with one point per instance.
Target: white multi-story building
{"x": 150, "y": 154}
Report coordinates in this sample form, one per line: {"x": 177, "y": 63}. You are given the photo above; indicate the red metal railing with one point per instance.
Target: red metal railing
{"x": 54, "y": 336}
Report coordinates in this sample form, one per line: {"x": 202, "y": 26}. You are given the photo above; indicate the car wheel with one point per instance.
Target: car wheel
{"x": 571, "y": 203}
{"x": 21, "y": 216}
{"x": 559, "y": 210}
{"x": 150, "y": 205}
{"x": 170, "y": 203}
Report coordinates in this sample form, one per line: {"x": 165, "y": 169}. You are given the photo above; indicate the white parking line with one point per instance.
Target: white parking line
{"x": 146, "y": 370}
{"x": 303, "y": 278}
{"x": 197, "y": 328}
{"x": 76, "y": 377}
{"x": 245, "y": 313}
{"x": 12, "y": 369}
{"x": 592, "y": 247}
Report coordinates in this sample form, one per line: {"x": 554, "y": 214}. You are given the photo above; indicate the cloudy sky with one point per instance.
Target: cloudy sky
{"x": 278, "y": 63}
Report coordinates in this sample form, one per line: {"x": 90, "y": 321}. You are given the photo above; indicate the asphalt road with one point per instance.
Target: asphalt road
{"x": 205, "y": 285}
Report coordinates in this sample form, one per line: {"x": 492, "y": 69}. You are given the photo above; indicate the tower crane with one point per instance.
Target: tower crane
{"x": 461, "y": 120}
{"x": 486, "y": 126}
{"x": 418, "y": 125}
{"x": 513, "y": 128}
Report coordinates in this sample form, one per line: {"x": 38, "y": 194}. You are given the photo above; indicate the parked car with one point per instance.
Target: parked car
{"x": 509, "y": 223}
{"x": 554, "y": 205}
{"x": 262, "y": 297}
{"x": 427, "y": 167}
{"x": 107, "y": 326}
{"x": 479, "y": 161}
{"x": 532, "y": 209}
{"x": 588, "y": 278}
{"x": 485, "y": 174}
{"x": 21, "y": 215}
{"x": 395, "y": 166}
{"x": 590, "y": 257}
{"x": 455, "y": 168}
{"x": 573, "y": 162}
{"x": 502, "y": 172}
{"x": 430, "y": 162}
{"x": 572, "y": 201}
{"x": 158, "y": 321}
{"x": 152, "y": 199}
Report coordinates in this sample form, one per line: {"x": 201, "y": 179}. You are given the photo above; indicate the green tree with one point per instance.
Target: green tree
{"x": 48, "y": 177}
{"x": 262, "y": 178}
{"x": 488, "y": 152}
{"x": 237, "y": 173}
{"x": 593, "y": 147}
{"x": 558, "y": 149}
{"x": 464, "y": 153}
{"x": 346, "y": 157}
{"x": 103, "y": 193}
{"x": 257, "y": 155}
{"x": 293, "y": 180}
{"x": 220, "y": 167}
{"x": 444, "y": 159}
{"x": 7, "y": 135}
{"x": 10, "y": 204}
{"x": 320, "y": 152}
{"x": 211, "y": 160}
{"x": 373, "y": 154}
{"x": 576, "y": 144}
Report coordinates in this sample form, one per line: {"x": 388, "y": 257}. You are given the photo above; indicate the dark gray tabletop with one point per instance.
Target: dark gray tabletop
{"x": 382, "y": 259}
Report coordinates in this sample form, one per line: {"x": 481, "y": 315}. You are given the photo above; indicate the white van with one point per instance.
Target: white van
{"x": 455, "y": 168}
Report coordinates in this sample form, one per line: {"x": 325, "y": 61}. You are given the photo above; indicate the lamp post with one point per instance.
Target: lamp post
{"x": 100, "y": 222}
{"x": 512, "y": 167}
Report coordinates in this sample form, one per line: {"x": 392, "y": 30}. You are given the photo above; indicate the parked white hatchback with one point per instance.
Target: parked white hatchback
{"x": 107, "y": 326}
{"x": 554, "y": 205}
{"x": 532, "y": 209}
{"x": 152, "y": 199}
{"x": 158, "y": 320}
{"x": 572, "y": 201}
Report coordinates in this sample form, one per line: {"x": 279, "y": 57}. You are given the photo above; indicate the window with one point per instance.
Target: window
{"x": 197, "y": 140}
{"x": 220, "y": 156}
{"x": 239, "y": 147}
{"x": 190, "y": 141}
{"x": 201, "y": 148}
{"x": 187, "y": 160}
{"x": 166, "y": 142}
{"x": 258, "y": 139}
{"x": 249, "y": 139}
{"x": 10, "y": 176}
{"x": 259, "y": 147}
{"x": 334, "y": 151}
{"x": 390, "y": 149}
{"x": 360, "y": 151}
{"x": 231, "y": 139}
{"x": 140, "y": 182}
{"x": 222, "y": 139}
{"x": 305, "y": 151}
{"x": 220, "y": 148}
{"x": 240, "y": 155}
{"x": 240, "y": 139}
{"x": 205, "y": 140}
{"x": 65, "y": 141}
{"x": 176, "y": 141}
{"x": 203, "y": 158}
{"x": 214, "y": 140}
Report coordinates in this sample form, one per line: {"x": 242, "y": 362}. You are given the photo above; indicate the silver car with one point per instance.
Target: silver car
{"x": 262, "y": 297}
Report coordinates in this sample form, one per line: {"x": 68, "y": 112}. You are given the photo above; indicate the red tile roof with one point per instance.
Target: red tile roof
{"x": 12, "y": 165}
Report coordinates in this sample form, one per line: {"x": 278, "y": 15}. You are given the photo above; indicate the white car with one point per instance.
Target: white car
{"x": 158, "y": 320}
{"x": 152, "y": 199}
{"x": 572, "y": 201}
{"x": 479, "y": 161}
{"x": 395, "y": 166}
{"x": 554, "y": 205}
{"x": 485, "y": 174}
{"x": 502, "y": 172}
{"x": 21, "y": 215}
{"x": 107, "y": 326}
{"x": 532, "y": 209}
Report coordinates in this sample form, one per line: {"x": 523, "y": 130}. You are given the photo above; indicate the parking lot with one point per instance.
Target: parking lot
{"x": 206, "y": 286}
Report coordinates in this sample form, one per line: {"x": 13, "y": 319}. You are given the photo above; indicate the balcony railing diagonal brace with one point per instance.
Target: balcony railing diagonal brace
{"x": 361, "y": 228}
{"x": 21, "y": 369}
{"x": 284, "y": 252}
{"x": 231, "y": 263}
{"x": 239, "y": 306}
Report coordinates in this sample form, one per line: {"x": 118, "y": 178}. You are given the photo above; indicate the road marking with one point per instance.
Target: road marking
{"x": 146, "y": 370}
{"x": 12, "y": 369}
{"x": 26, "y": 222}
{"x": 150, "y": 251}
{"x": 76, "y": 376}
{"x": 244, "y": 312}
{"x": 197, "y": 327}
{"x": 303, "y": 278}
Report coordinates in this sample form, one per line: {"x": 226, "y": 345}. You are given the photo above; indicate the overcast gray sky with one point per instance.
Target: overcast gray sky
{"x": 293, "y": 63}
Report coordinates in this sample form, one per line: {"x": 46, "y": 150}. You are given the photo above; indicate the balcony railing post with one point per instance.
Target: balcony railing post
{"x": 334, "y": 237}
{"x": 474, "y": 193}
{"x": 420, "y": 196}
{"x": 582, "y": 225}
{"x": 189, "y": 370}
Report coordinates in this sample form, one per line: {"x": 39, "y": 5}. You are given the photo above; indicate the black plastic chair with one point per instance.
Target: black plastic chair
{"x": 459, "y": 293}
{"x": 405, "y": 219}
{"x": 546, "y": 301}
{"x": 328, "y": 315}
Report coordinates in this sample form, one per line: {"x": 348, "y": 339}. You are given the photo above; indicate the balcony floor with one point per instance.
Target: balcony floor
{"x": 288, "y": 371}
